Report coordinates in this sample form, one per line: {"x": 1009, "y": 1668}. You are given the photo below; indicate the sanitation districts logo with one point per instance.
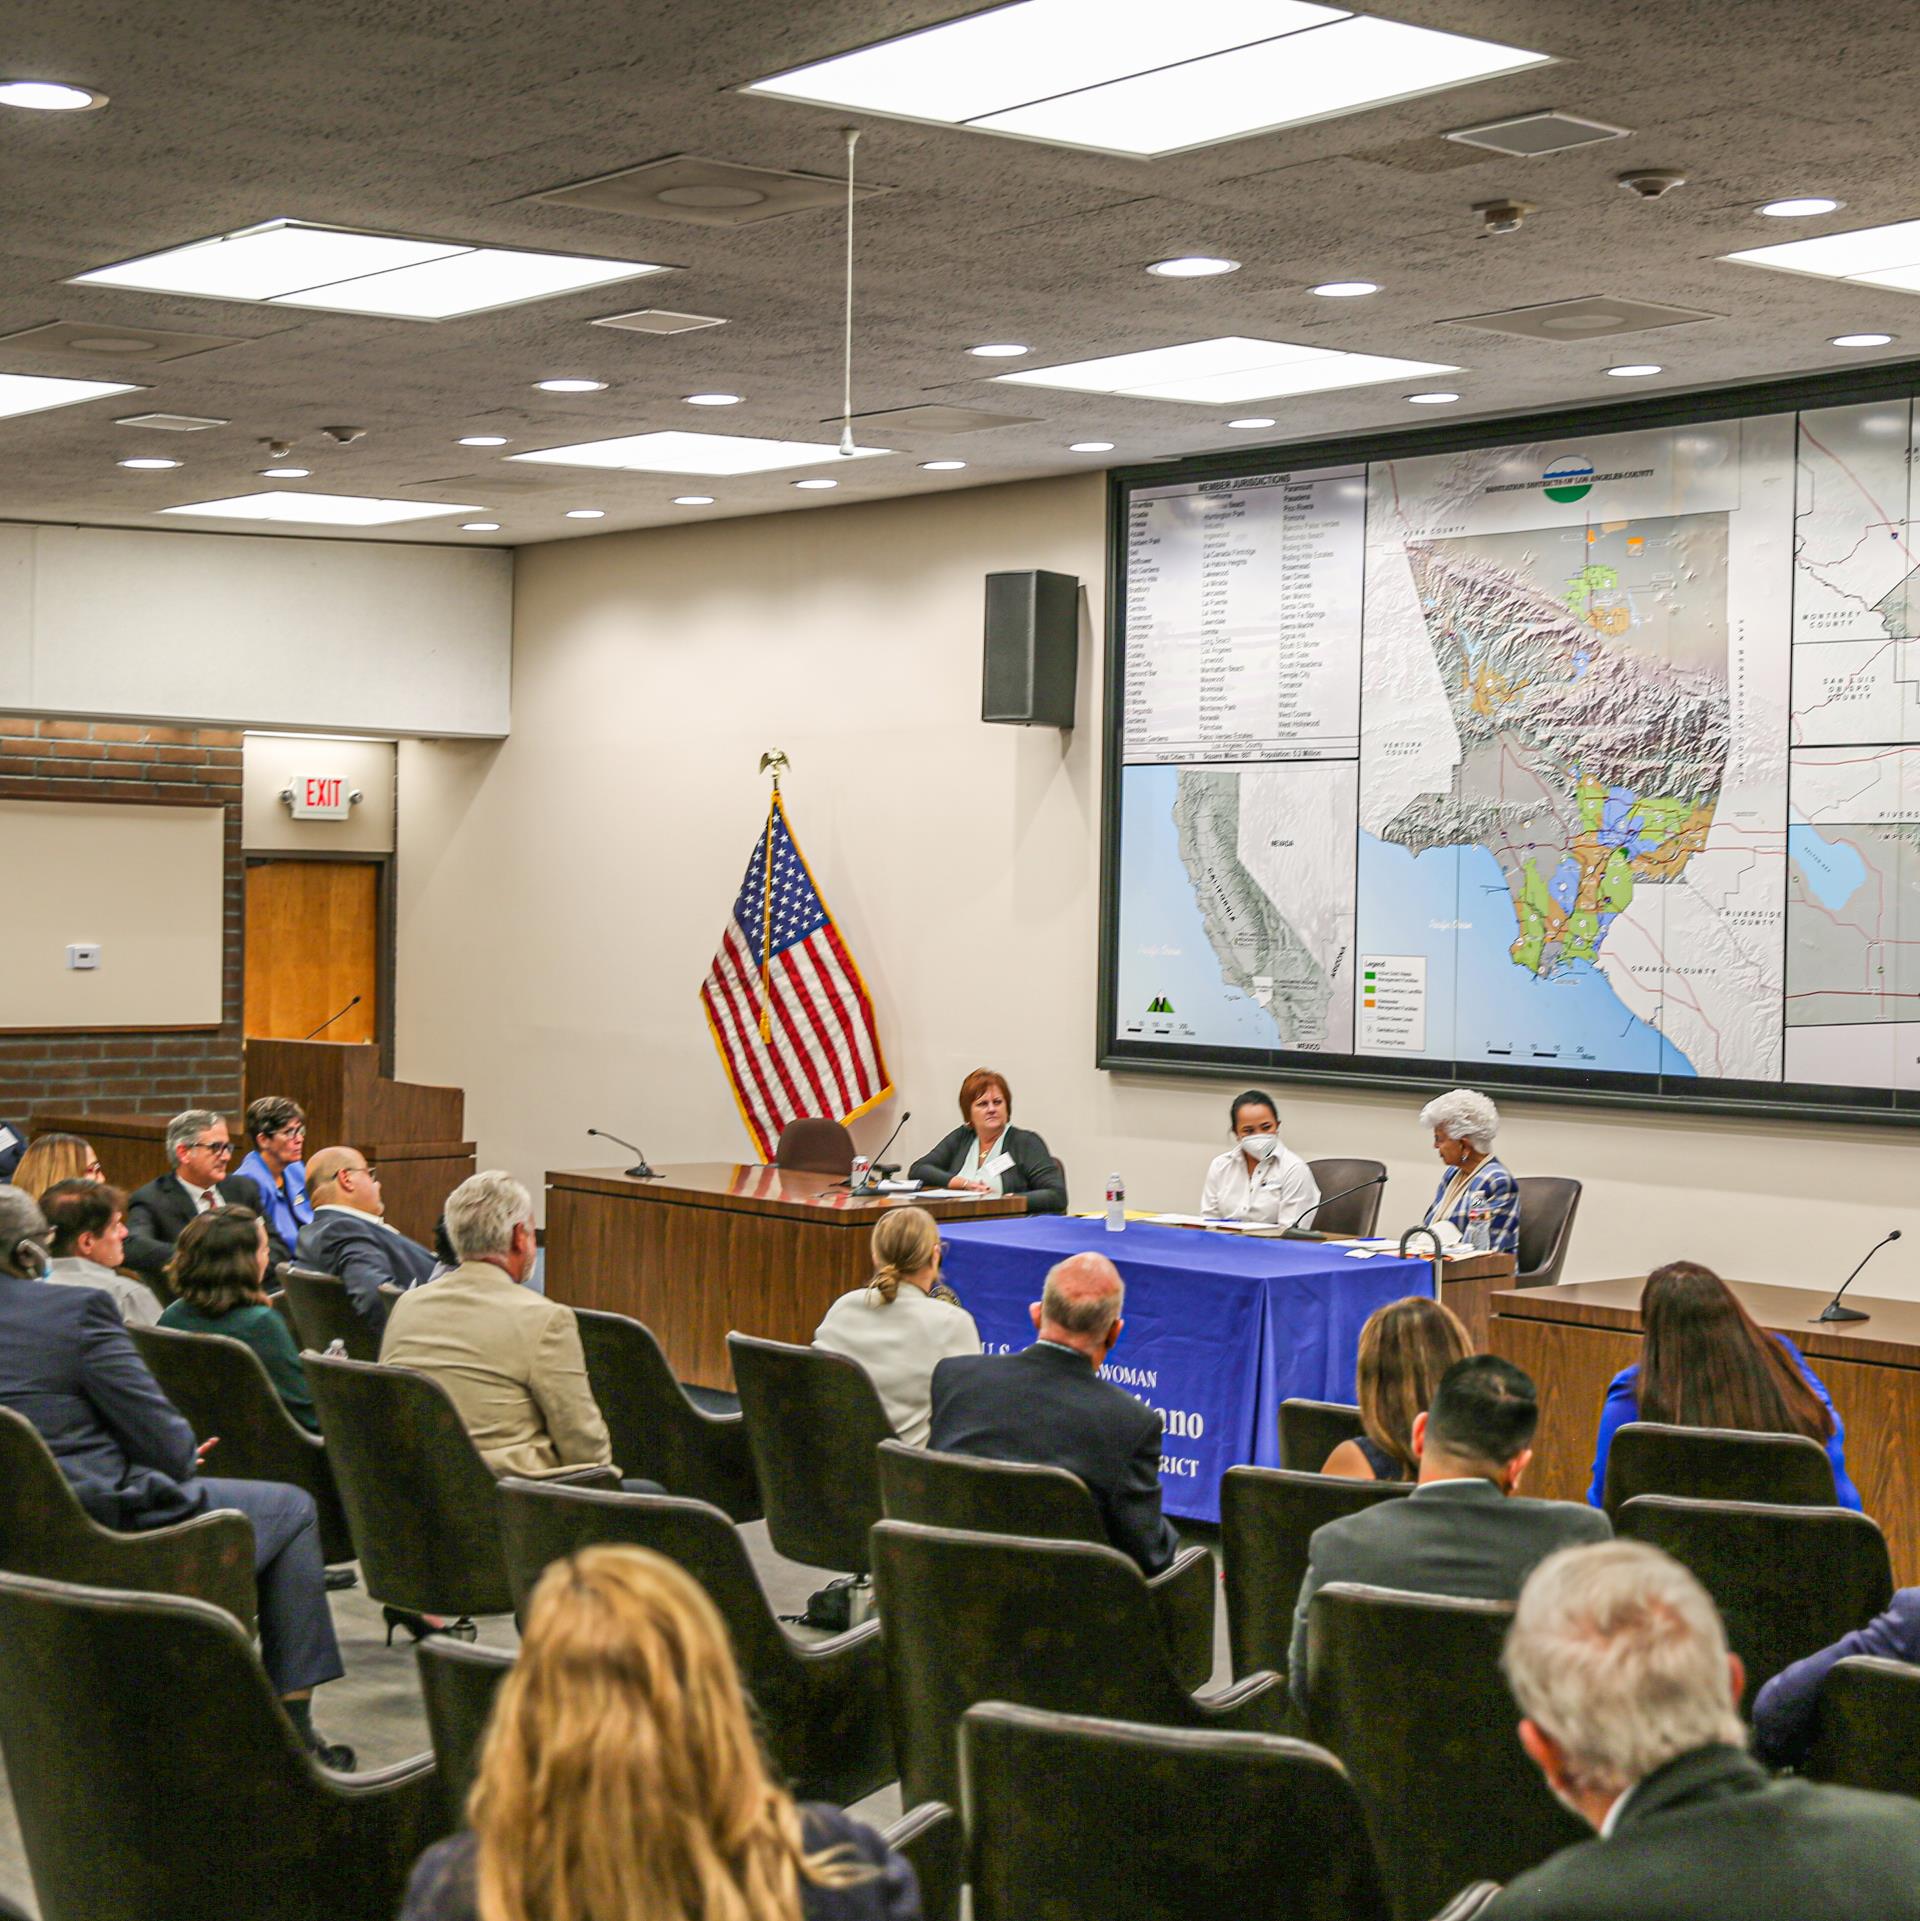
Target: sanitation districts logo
{"x": 1568, "y": 479}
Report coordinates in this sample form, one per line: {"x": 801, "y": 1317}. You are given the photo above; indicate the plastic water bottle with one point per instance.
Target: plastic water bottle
{"x": 1479, "y": 1227}
{"x": 1116, "y": 1204}
{"x": 336, "y": 1349}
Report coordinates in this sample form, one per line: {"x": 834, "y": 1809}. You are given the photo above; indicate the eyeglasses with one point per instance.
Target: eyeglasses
{"x": 220, "y": 1150}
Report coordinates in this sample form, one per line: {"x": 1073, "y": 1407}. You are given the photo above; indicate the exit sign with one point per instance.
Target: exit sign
{"x": 319, "y": 797}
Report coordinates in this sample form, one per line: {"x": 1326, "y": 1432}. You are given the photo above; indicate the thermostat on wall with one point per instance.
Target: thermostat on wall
{"x": 83, "y": 954}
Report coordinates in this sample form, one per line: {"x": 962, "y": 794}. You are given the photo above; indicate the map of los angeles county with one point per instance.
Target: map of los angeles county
{"x": 1584, "y": 759}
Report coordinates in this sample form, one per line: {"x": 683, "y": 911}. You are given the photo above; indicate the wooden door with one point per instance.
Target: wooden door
{"x": 313, "y": 942}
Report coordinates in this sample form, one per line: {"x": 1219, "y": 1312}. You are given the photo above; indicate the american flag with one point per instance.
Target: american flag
{"x": 808, "y": 1045}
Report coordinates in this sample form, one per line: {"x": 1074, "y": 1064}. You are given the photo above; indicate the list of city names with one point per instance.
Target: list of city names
{"x": 1243, "y": 619}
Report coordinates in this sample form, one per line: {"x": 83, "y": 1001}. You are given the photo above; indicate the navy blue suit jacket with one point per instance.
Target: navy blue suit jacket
{"x": 338, "y": 1240}
{"x": 68, "y": 1364}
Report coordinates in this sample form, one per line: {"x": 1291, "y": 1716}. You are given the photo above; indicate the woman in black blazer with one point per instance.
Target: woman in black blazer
{"x": 987, "y": 1155}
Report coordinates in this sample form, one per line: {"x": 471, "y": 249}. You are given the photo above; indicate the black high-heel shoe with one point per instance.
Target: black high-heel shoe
{"x": 419, "y": 1626}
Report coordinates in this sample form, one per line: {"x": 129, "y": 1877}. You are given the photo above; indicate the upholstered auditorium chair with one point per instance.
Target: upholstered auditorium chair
{"x": 1716, "y": 1464}
{"x": 323, "y": 1312}
{"x": 1869, "y": 1728}
{"x": 1311, "y": 1430}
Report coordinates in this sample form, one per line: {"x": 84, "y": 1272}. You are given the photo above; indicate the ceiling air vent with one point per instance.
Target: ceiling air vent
{"x": 1533, "y": 134}
{"x": 171, "y": 423}
{"x": 656, "y": 320}
{"x": 932, "y": 419}
{"x": 1597, "y": 317}
{"x": 121, "y": 345}
{"x": 708, "y": 193}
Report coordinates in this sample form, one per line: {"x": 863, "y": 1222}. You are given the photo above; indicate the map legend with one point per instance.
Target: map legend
{"x": 1393, "y": 1003}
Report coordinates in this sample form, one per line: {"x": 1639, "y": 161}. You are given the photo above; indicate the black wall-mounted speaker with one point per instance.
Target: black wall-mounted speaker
{"x": 1033, "y": 647}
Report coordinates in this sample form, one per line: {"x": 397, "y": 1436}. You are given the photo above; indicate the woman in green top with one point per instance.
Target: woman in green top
{"x": 219, "y": 1272}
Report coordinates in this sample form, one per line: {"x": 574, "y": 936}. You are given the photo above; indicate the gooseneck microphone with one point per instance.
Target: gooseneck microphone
{"x": 1299, "y": 1232}
{"x": 329, "y": 1021}
{"x": 639, "y": 1171}
{"x": 880, "y": 1166}
{"x": 1833, "y": 1311}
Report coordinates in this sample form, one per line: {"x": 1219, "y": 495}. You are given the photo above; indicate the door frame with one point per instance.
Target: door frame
{"x": 385, "y": 892}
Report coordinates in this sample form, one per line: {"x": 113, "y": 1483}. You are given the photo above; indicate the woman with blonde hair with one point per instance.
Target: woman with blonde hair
{"x": 54, "y": 1158}
{"x": 1405, "y": 1347}
{"x": 903, "y": 1323}
{"x": 620, "y": 1779}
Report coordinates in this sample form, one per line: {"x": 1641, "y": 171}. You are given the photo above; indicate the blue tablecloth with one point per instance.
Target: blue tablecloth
{"x": 1220, "y": 1329}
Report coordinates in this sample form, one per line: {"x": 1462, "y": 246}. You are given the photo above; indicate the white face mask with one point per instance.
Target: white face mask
{"x": 1257, "y": 1147}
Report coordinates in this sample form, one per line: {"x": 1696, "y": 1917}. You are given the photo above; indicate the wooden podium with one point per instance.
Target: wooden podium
{"x": 409, "y": 1131}
{"x": 710, "y": 1246}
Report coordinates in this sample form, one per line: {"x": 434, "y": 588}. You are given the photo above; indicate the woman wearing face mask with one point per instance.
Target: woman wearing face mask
{"x": 1259, "y": 1178}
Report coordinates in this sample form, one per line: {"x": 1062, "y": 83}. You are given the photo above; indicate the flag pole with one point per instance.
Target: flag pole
{"x": 773, "y": 762}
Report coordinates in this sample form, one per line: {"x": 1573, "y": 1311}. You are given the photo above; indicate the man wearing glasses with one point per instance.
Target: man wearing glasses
{"x": 350, "y": 1235}
{"x": 201, "y": 1153}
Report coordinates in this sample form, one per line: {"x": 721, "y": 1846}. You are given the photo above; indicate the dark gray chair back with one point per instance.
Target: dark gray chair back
{"x": 1716, "y": 1464}
{"x": 1548, "y": 1203}
{"x": 155, "y": 1778}
{"x": 813, "y": 1422}
{"x": 1158, "y": 1824}
{"x": 658, "y": 1433}
{"x": 44, "y": 1531}
{"x": 1355, "y": 1214}
{"x": 323, "y": 1313}
{"x": 1267, "y": 1518}
{"x": 419, "y": 1499}
{"x": 1869, "y": 1729}
{"x": 1066, "y": 1625}
{"x": 822, "y": 1703}
{"x": 1788, "y": 1581}
{"x": 1407, "y": 1691}
{"x": 222, "y": 1387}
{"x": 1311, "y": 1430}
{"x": 458, "y": 1682}
{"x": 813, "y": 1146}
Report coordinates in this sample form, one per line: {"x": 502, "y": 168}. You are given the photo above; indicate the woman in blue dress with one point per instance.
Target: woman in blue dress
{"x": 1464, "y": 1124}
{"x": 1705, "y": 1362}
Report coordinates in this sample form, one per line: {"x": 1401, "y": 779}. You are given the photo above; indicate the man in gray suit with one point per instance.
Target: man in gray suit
{"x": 1464, "y": 1529}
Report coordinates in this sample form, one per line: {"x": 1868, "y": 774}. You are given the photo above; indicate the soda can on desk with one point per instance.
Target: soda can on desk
{"x": 862, "y": 1168}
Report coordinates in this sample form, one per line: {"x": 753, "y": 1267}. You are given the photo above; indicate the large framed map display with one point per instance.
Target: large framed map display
{"x": 1585, "y": 758}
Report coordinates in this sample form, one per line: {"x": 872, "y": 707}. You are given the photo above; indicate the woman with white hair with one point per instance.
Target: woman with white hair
{"x": 1464, "y": 1124}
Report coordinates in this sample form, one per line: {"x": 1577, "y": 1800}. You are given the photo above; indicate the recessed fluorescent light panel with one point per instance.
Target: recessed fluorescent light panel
{"x": 1212, "y": 373}
{"x": 1141, "y": 78}
{"x": 319, "y": 510}
{"x": 35, "y": 393}
{"x": 288, "y": 263}
{"x": 680, "y": 453}
{"x": 1873, "y": 256}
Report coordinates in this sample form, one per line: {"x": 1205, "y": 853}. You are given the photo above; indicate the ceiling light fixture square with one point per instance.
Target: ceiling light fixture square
{"x": 1224, "y": 372}
{"x": 1875, "y": 256}
{"x": 37, "y": 393}
{"x": 319, "y": 510}
{"x": 1152, "y": 80}
{"x": 292, "y": 263}
{"x": 688, "y": 453}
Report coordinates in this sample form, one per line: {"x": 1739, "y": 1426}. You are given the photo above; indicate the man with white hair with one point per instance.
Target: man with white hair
{"x": 1464, "y": 1124}
{"x": 510, "y": 1358}
{"x": 1620, "y": 1666}
{"x": 1049, "y": 1405}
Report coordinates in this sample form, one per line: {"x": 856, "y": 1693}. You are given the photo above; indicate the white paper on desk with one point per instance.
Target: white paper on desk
{"x": 7, "y": 1138}
{"x": 1190, "y": 1220}
{"x": 949, "y": 1194}
{"x": 998, "y": 1165}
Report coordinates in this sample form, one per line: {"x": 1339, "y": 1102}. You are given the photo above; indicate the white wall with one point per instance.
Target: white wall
{"x": 256, "y": 630}
{"x": 562, "y": 892}
{"x": 270, "y": 762}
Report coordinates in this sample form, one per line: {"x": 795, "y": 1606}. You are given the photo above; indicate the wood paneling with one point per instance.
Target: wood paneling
{"x": 313, "y": 930}
{"x": 1573, "y": 1340}
{"x": 711, "y": 1247}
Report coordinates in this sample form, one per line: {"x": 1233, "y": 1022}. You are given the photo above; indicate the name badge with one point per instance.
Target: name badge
{"x": 998, "y": 1165}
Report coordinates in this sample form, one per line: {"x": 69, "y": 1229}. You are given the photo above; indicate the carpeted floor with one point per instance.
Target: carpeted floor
{"x": 376, "y": 1708}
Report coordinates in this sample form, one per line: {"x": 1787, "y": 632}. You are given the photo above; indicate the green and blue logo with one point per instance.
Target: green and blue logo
{"x": 1570, "y": 478}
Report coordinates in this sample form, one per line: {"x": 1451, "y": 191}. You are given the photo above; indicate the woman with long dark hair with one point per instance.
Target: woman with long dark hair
{"x": 1705, "y": 1362}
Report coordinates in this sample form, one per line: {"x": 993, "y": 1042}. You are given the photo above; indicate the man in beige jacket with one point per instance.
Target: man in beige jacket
{"x": 510, "y": 1358}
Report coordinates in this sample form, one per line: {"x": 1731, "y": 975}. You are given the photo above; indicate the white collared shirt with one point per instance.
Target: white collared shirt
{"x": 202, "y": 1197}
{"x": 359, "y": 1213}
{"x": 1614, "y": 1813}
{"x": 1277, "y": 1190}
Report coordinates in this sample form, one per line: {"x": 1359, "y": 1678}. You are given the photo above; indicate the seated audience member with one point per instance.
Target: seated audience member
{"x": 70, "y": 1367}
{"x": 52, "y": 1158}
{"x": 622, "y": 1777}
{"x": 200, "y": 1154}
{"x": 1049, "y": 1405}
{"x": 1464, "y": 1530}
{"x": 987, "y": 1154}
{"x": 219, "y": 1273}
{"x": 510, "y": 1358}
{"x": 89, "y": 1232}
{"x": 349, "y": 1235}
{"x": 903, "y": 1322}
{"x": 1405, "y": 1348}
{"x": 277, "y": 1127}
{"x": 1786, "y": 1712}
{"x": 1620, "y": 1666}
{"x": 1705, "y": 1362}
{"x": 1259, "y": 1178}
{"x": 1464, "y": 1124}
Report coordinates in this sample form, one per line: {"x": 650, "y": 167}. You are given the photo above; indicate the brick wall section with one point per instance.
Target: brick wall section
{"x": 128, "y": 1070}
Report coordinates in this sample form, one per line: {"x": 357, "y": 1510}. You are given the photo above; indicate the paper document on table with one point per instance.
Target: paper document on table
{"x": 949, "y": 1194}
{"x": 1188, "y": 1220}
